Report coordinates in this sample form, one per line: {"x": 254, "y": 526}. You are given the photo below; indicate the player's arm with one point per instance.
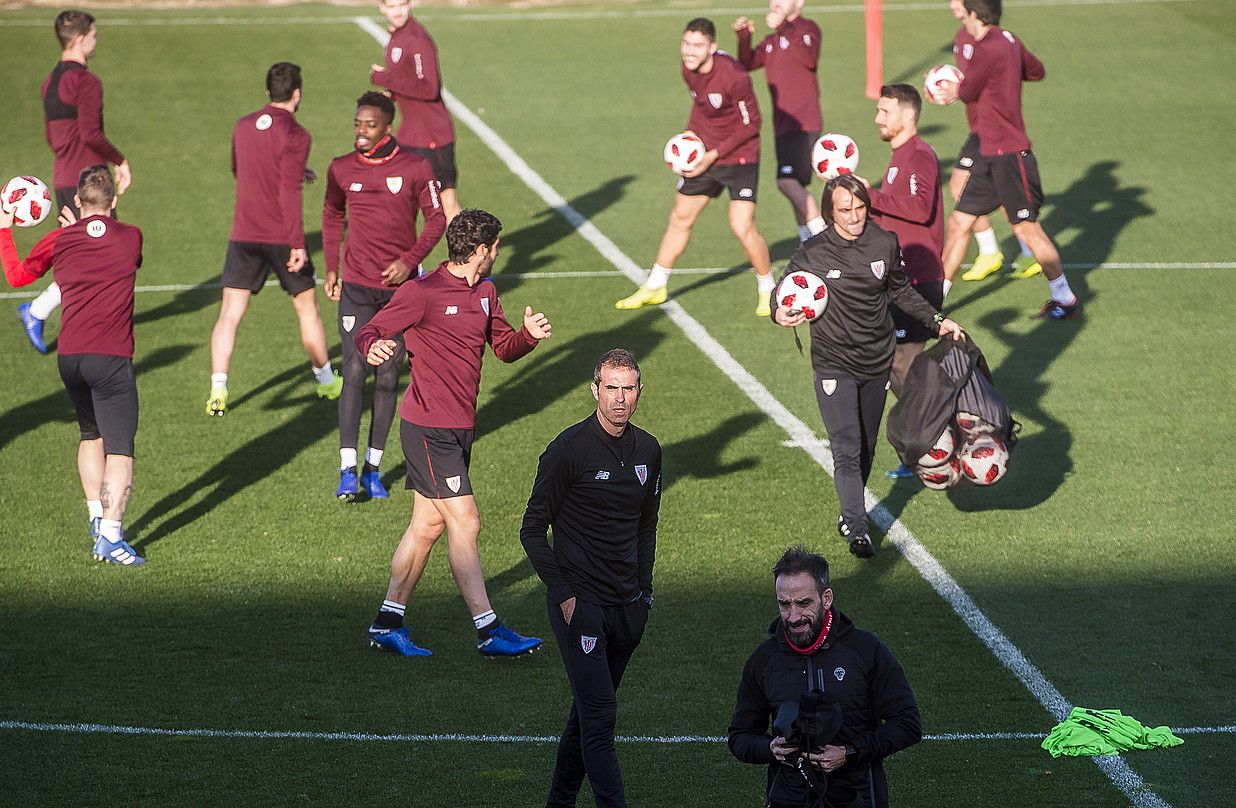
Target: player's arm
{"x": 553, "y": 478}
{"x": 902, "y": 293}
{"x": 900, "y": 724}
{"x": 430, "y": 204}
{"x": 292, "y": 164}
{"x": 646, "y": 538}
{"x": 920, "y": 205}
{"x": 16, "y": 271}
{"x": 405, "y": 309}
{"x": 976, "y": 76}
{"x": 750, "y": 57}
{"x": 1031, "y": 68}
{"x": 334, "y": 221}
{"x": 508, "y": 343}
{"x": 749, "y": 740}
{"x": 414, "y": 76}
{"x": 90, "y": 119}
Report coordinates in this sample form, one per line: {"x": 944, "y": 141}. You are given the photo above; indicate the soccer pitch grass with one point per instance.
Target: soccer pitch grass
{"x": 1105, "y": 556}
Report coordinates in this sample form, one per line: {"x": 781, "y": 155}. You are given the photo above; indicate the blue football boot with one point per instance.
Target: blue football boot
{"x": 33, "y": 326}
{"x": 347, "y": 489}
{"x": 116, "y": 552}
{"x": 506, "y": 643}
{"x": 371, "y": 482}
{"x": 397, "y": 641}
{"x": 902, "y": 472}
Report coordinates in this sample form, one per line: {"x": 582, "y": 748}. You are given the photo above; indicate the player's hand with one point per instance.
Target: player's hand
{"x": 396, "y": 273}
{"x": 784, "y": 316}
{"x": 781, "y": 751}
{"x": 703, "y": 165}
{"x": 333, "y": 286}
{"x": 773, "y": 20}
{"x": 124, "y": 177}
{"x": 863, "y": 180}
{"x": 828, "y": 760}
{"x": 946, "y": 91}
{"x": 380, "y": 351}
{"x": 297, "y": 259}
{"x": 743, "y": 24}
{"x": 538, "y": 326}
{"x": 6, "y": 218}
{"x": 378, "y": 68}
{"x": 310, "y": 176}
{"x": 67, "y": 216}
{"x": 949, "y": 327}
{"x": 568, "y": 609}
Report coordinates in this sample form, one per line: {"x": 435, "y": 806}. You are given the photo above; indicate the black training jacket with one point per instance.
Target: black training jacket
{"x": 602, "y": 495}
{"x": 880, "y": 714}
{"x": 855, "y": 333}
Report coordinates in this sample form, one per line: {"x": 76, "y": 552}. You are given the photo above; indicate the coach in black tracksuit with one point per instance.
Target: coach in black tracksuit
{"x": 852, "y": 342}
{"x": 599, "y": 485}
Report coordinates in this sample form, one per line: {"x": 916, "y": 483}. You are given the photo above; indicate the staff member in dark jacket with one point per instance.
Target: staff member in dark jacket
{"x": 813, "y": 646}
{"x": 852, "y": 342}
{"x": 599, "y": 485}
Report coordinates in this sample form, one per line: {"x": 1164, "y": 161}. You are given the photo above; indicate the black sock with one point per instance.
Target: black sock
{"x": 368, "y": 468}
{"x": 483, "y": 634}
{"x": 386, "y": 621}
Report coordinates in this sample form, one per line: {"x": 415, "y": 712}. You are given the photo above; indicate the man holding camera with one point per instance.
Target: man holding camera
{"x": 835, "y": 695}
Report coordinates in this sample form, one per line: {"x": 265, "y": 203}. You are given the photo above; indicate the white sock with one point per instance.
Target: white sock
{"x": 1025, "y": 249}
{"x": 765, "y": 283}
{"x": 347, "y": 459}
{"x": 658, "y": 277}
{"x": 110, "y": 530}
{"x": 816, "y": 225}
{"x": 484, "y": 619}
{"x": 374, "y": 457}
{"x": 392, "y": 606}
{"x": 947, "y": 285}
{"x": 95, "y": 507}
{"x": 1060, "y": 291}
{"x": 987, "y": 241}
{"x": 324, "y": 374}
{"x": 218, "y": 380}
{"x": 43, "y": 305}
{"x": 804, "y": 232}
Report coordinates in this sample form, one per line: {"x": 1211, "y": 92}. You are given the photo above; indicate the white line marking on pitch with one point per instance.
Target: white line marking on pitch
{"x": 1116, "y": 769}
{"x": 451, "y": 737}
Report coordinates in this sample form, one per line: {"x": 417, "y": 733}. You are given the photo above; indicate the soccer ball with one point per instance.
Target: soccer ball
{"x": 805, "y": 292}
{"x": 28, "y": 199}
{"x": 941, "y": 452}
{"x": 984, "y": 460}
{"x": 972, "y": 426}
{"x": 683, "y": 152}
{"x": 940, "y": 477}
{"x": 834, "y": 154}
{"x": 937, "y": 76}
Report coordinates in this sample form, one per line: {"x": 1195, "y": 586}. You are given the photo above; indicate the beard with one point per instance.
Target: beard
{"x": 804, "y": 634}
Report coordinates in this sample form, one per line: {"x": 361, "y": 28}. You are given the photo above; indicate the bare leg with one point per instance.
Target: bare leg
{"x": 742, "y": 223}
{"x": 117, "y": 482}
{"x": 1042, "y": 246}
{"x": 412, "y": 554}
{"x": 223, "y": 338}
{"x": 90, "y": 465}
{"x": 682, "y": 218}
{"x": 804, "y": 204}
{"x": 957, "y": 184}
{"x": 450, "y": 203}
{"x": 958, "y": 233}
{"x": 463, "y": 526}
{"x": 312, "y": 332}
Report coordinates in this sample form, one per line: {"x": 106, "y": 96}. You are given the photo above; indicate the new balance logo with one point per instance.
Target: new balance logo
{"x": 602, "y": 475}
{"x": 451, "y": 310}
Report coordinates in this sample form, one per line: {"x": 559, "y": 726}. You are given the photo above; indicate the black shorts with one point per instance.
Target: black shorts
{"x": 794, "y": 156}
{"x": 104, "y": 393}
{"x": 357, "y": 306}
{"x": 909, "y": 329}
{"x": 437, "y": 460}
{"x": 743, "y": 182}
{"x": 64, "y": 199}
{"x": 442, "y": 161}
{"x": 1010, "y": 181}
{"x": 969, "y": 159}
{"x": 249, "y": 264}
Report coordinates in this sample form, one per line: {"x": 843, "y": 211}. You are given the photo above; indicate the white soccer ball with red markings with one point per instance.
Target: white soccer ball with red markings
{"x": 28, "y": 199}
{"x": 833, "y": 155}
{"x": 683, "y": 152}
{"x": 972, "y": 426}
{"x": 940, "y": 452}
{"x": 940, "y": 477}
{"x": 803, "y": 292}
{"x": 936, "y": 77}
{"x": 984, "y": 460}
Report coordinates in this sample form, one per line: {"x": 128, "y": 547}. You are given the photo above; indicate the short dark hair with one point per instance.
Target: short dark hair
{"x": 848, "y": 182}
{"x": 798, "y": 560}
{"x": 70, "y": 24}
{"x": 704, "y": 26}
{"x": 470, "y": 228}
{"x": 282, "y": 80}
{"x": 615, "y": 358}
{"x": 95, "y": 186}
{"x": 988, "y": 11}
{"x": 380, "y": 101}
{"x": 905, "y": 95}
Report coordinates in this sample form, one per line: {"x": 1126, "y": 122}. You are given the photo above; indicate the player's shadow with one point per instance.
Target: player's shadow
{"x": 56, "y": 407}
{"x": 699, "y": 457}
{"x": 302, "y": 420}
{"x": 185, "y": 301}
{"x": 530, "y": 248}
{"x": 915, "y": 73}
{"x": 779, "y": 251}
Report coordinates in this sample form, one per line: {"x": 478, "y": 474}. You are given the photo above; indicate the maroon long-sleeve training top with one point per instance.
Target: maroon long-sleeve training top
{"x": 724, "y": 112}
{"x": 415, "y": 80}
{"x": 790, "y": 57}
{"x": 73, "y": 122}
{"x": 910, "y": 205}
{"x": 270, "y": 150}
{"x": 993, "y": 85}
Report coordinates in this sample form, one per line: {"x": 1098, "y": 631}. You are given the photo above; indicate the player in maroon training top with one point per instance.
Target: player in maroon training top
{"x": 73, "y": 124}
{"x": 909, "y": 204}
{"x": 96, "y": 260}
{"x": 790, "y": 56}
{"x": 1010, "y": 175}
{"x": 375, "y": 193}
{"x": 412, "y": 77}
{"x": 446, "y": 318}
{"x": 270, "y": 153}
{"x": 725, "y": 115}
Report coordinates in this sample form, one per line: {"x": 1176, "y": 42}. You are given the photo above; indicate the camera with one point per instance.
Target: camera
{"x": 810, "y": 723}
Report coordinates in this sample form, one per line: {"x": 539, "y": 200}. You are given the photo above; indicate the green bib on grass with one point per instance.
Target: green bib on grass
{"x": 1089, "y": 732}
